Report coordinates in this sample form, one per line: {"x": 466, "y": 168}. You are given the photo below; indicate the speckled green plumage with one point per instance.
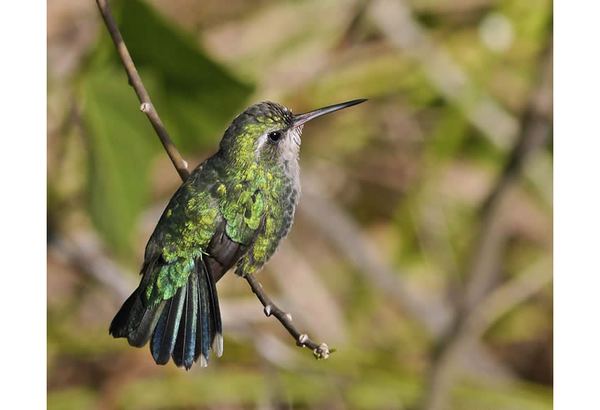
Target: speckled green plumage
{"x": 247, "y": 192}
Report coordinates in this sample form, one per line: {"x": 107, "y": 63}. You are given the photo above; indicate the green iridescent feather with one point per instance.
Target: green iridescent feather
{"x": 242, "y": 196}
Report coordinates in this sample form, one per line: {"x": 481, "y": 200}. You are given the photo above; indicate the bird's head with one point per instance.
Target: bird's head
{"x": 268, "y": 132}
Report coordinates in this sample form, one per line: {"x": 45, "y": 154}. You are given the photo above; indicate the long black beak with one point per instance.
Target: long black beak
{"x": 300, "y": 119}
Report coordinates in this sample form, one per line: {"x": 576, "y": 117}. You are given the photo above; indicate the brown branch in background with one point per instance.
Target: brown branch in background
{"x": 320, "y": 351}
{"x": 84, "y": 252}
{"x": 537, "y": 124}
{"x": 482, "y": 304}
{"x": 507, "y": 296}
{"x": 474, "y": 324}
{"x": 535, "y": 131}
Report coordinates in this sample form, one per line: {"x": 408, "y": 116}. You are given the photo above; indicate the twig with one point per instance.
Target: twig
{"x": 320, "y": 351}
{"x": 136, "y": 82}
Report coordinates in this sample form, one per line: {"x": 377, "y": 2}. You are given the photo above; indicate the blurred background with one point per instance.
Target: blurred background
{"x": 422, "y": 246}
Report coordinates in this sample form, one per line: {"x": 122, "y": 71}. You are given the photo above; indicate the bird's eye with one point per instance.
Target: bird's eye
{"x": 275, "y": 136}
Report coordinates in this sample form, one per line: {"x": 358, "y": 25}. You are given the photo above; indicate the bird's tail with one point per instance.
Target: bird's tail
{"x": 183, "y": 327}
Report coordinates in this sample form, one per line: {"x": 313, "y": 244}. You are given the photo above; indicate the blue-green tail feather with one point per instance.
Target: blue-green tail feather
{"x": 202, "y": 350}
{"x": 183, "y": 354}
{"x": 165, "y": 335}
{"x": 183, "y": 327}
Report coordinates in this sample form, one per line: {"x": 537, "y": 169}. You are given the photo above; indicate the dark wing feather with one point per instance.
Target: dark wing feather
{"x": 222, "y": 252}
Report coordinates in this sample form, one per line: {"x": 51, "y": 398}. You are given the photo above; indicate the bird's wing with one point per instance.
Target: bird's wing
{"x": 242, "y": 208}
{"x": 182, "y": 236}
{"x": 206, "y": 219}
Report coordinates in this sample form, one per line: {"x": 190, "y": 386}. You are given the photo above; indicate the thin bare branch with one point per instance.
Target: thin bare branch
{"x": 136, "y": 82}
{"x": 320, "y": 351}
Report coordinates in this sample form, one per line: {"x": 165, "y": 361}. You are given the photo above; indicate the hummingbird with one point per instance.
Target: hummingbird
{"x": 234, "y": 209}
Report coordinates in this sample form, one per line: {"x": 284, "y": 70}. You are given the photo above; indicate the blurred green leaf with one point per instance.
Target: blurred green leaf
{"x": 121, "y": 147}
{"x": 195, "y": 97}
{"x": 202, "y": 97}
